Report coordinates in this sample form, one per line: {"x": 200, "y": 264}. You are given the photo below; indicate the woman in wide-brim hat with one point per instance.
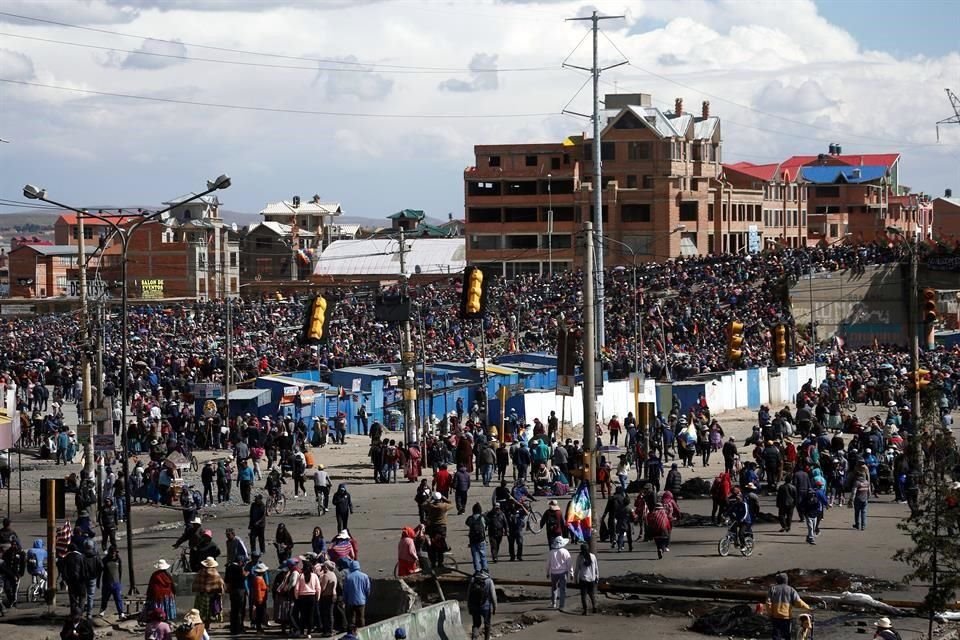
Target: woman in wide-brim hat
{"x": 208, "y": 588}
{"x": 161, "y": 591}
{"x": 192, "y": 627}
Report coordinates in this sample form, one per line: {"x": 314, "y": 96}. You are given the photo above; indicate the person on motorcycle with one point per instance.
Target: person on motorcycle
{"x": 739, "y": 513}
{"x": 435, "y": 514}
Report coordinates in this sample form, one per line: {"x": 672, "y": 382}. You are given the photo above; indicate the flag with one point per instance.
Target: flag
{"x": 342, "y": 393}
{"x": 578, "y": 514}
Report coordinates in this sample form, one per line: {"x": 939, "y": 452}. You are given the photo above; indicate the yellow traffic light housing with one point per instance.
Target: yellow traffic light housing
{"x": 780, "y": 345}
{"x": 473, "y": 301}
{"x": 318, "y": 320}
{"x": 735, "y": 341}
{"x": 928, "y": 306}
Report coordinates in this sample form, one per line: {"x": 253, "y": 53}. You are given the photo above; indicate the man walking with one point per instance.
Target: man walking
{"x": 477, "y": 531}
{"x": 781, "y": 598}
{"x": 786, "y": 502}
{"x": 258, "y": 524}
{"x": 481, "y": 603}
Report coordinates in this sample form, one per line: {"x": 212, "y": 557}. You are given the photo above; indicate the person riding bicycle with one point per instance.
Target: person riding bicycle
{"x": 274, "y": 482}
{"x": 37, "y": 560}
{"x": 739, "y": 512}
{"x": 521, "y": 495}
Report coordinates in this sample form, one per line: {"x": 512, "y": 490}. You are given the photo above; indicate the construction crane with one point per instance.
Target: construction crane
{"x": 955, "y": 118}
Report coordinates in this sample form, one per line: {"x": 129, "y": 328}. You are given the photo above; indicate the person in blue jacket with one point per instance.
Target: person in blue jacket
{"x": 356, "y": 592}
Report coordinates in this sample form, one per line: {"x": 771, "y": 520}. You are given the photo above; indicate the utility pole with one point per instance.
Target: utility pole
{"x": 595, "y": 70}
{"x": 86, "y": 426}
{"x": 228, "y": 366}
{"x": 407, "y": 367}
{"x": 914, "y": 332}
{"x": 589, "y": 373}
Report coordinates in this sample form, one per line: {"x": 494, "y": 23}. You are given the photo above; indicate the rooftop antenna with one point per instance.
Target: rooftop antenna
{"x": 955, "y": 118}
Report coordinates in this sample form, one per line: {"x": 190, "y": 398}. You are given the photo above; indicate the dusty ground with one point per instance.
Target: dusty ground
{"x": 381, "y": 510}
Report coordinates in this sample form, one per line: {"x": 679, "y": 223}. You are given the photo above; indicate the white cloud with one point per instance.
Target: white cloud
{"x": 152, "y": 54}
{"x": 484, "y": 76}
{"x": 16, "y": 66}
{"x": 792, "y": 64}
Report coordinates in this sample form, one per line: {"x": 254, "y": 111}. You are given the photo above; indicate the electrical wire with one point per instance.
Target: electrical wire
{"x": 312, "y": 68}
{"x": 375, "y": 65}
{"x": 237, "y": 107}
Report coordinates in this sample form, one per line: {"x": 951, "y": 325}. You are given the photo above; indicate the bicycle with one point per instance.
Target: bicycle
{"x": 276, "y": 503}
{"x": 723, "y": 547}
{"x": 182, "y": 565}
{"x": 38, "y": 588}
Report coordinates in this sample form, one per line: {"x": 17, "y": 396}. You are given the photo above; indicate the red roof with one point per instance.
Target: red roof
{"x": 71, "y": 218}
{"x": 853, "y": 160}
{"x": 764, "y": 172}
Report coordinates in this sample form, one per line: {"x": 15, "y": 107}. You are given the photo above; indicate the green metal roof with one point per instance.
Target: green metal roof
{"x": 408, "y": 214}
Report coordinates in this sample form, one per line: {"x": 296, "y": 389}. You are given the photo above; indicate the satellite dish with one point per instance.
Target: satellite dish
{"x": 233, "y": 227}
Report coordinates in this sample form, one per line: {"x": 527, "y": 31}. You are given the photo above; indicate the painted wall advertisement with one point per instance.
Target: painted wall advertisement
{"x": 151, "y": 289}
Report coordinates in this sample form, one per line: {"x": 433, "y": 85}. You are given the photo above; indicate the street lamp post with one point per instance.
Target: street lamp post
{"x": 124, "y": 233}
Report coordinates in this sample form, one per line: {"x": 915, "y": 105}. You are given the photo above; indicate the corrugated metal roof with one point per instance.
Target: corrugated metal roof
{"x": 852, "y": 175}
{"x": 306, "y": 208}
{"x": 954, "y": 201}
{"x": 58, "y": 249}
{"x": 381, "y": 257}
{"x": 280, "y": 229}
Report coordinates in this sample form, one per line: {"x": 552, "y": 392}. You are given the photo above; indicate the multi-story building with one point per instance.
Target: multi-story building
{"x": 193, "y": 254}
{"x": 47, "y": 271}
{"x": 912, "y": 212}
{"x": 525, "y": 202}
{"x": 946, "y": 218}
{"x": 766, "y": 203}
{"x": 314, "y": 216}
{"x": 270, "y": 253}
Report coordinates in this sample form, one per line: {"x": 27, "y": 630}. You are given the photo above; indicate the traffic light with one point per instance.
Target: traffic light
{"x": 734, "y": 341}
{"x": 780, "y": 345}
{"x": 473, "y": 301}
{"x": 928, "y": 306}
{"x": 318, "y": 320}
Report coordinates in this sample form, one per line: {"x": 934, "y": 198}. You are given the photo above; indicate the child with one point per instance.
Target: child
{"x": 258, "y": 596}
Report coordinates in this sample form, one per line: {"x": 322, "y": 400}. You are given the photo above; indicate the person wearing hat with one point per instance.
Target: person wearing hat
{"x": 552, "y": 521}
{"x": 559, "y": 568}
{"x": 400, "y": 634}
{"x": 781, "y": 598}
{"x": 328, "y": 595}
{"x": 208, "y": 588}
{"x": 161, "y": 591}
{"x": 321, "y": 486}
{"x": 257, "y": 585}
{"x": 192, "y": 627}
{"x": 885, "y": 630}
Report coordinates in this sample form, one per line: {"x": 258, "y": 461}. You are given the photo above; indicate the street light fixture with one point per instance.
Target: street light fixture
{"x": 124, "y": 233}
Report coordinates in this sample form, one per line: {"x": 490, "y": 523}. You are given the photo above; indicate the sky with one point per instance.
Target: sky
{"x": 377, "y": 104}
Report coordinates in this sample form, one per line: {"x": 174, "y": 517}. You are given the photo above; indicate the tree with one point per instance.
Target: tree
{"x": 935, "y": 521}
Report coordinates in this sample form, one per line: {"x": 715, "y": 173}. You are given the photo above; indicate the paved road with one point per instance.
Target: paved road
{"x": 381, "y": 510}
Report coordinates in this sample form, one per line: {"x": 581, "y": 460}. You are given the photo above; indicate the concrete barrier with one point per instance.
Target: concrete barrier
{"x": 437, "y": 622}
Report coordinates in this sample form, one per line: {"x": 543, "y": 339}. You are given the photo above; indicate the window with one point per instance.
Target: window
{"x": 562, "y": 214}
{"x": 631, "y": 182}
{"x": 62, "y": 283}
{"x": 688, "y": 211}
{"x": 557, "y": 241}
{"x": 608, "y": 151}
{"x": 696, "y": 151}
{"x": 638, "y": 150}
{"x": 530, "y": 161}
{"x": 493, "y": 161}
{"x": 520, "y": 214}
{"x": 603, "y": 212}
{"x": 554, "y": 163}
{"x": 525, "y": 188}
{"x": 483, "y": 188}
{"x": 484, "y": 243}
{"x": 520, "y": 241}
{"x": 87, "y": 232}
{"x": 834, "y": 230}
{"x": 827, "y": 192}
{"x": 648, "y": 182}
{"x": 566, "y": 158}
{"x": 642, "y": 244}
{"x": 233, "y": 258}
{"x": 483, "y": 214}
{"x": 710, "y": 212}
{"x": 635, "y": 212}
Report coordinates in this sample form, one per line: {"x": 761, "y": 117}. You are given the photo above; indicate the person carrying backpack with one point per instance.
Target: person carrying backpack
{"x": 552, "y": 521}
{"x": 481, "y": 603}
{"x": 811, "y": 507}
{"x": 477, "y": 531}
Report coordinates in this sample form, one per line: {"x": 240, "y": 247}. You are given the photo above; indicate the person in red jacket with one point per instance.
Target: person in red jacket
{"x": 442, "y": 481}
{"x": 660, "y": 528}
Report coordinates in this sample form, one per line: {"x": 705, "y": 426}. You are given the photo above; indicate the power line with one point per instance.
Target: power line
{"x": 238, "y": 107}
{"x": 268, "y": 54}
{"x": 351, "y": 69}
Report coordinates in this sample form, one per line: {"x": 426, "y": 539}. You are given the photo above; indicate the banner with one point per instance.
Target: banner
{"x": 578, "y": 514}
